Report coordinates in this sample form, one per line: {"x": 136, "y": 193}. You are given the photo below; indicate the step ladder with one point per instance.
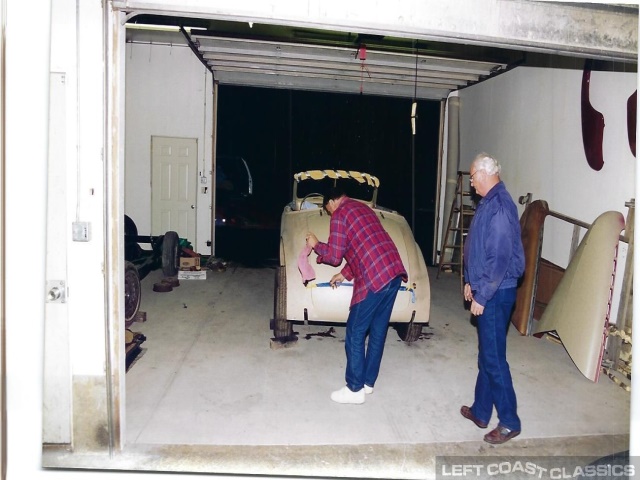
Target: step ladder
{"x": 460, "y": 215}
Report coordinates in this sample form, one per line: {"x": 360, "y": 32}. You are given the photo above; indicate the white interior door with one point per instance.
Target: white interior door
{"x": 174, "y": 163}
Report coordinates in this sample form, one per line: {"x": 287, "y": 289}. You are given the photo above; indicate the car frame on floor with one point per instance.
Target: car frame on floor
{"x": 164, "y": 253}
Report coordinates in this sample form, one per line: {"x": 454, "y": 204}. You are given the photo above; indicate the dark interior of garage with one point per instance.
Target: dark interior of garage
{"x": 281, "y": 132}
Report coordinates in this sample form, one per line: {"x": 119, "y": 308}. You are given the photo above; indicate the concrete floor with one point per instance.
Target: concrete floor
{"x": 208, "y": 394}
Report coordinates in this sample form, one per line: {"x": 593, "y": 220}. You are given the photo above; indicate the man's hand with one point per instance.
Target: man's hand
{"x": 476, "y": 308}
{"x": 468, "y": 296}
{"x": 336, "y": 280}
{"x": 312, "y": 240}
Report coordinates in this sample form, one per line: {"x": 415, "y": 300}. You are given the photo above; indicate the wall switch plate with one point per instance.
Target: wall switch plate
{"x": 81, "y": 231}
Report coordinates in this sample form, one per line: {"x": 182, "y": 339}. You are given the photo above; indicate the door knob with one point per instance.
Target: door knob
{"x": 56, "y": 291}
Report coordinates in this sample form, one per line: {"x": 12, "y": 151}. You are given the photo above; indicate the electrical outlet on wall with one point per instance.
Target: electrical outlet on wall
{"x": 81, "y": 231}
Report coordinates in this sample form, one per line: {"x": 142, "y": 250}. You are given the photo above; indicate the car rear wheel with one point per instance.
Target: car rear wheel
{"x": 409, "y": 332}
{"x": 282, "y": 328}
{"x": 170, "y": 257}
{"x": 132, "y": 291}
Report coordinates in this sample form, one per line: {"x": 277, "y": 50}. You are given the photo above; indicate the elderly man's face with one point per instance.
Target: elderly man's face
{"x": 477, "y": 179}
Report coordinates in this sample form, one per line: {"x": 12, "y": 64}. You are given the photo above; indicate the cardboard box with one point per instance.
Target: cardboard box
{"x": 192, "y": 274}
{"x": 188, "y": 262}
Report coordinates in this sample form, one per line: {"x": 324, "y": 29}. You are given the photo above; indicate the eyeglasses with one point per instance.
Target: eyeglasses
{"x": 473, "y": 175}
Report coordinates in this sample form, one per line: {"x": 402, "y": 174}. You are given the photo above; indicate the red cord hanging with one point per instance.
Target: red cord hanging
{"x": 362, "y": 56}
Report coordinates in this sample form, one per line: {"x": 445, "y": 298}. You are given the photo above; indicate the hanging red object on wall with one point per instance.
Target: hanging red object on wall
{"x": 592, "y": 124}
{"x": 631, "y": 121}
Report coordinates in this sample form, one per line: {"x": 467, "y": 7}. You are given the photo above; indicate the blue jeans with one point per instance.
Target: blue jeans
{"x": 368, "y": 317}
{"x": 494, "y": 385}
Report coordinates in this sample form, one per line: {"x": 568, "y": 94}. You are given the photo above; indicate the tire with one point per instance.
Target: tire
{"x": 132, "y": 251}
{"x": 170, "y": 256}
{"x": 282, "y": 328}
{"x": 130, "y": 228}
{"x": 409, "y": 332}
{"x": 132, "y": 291}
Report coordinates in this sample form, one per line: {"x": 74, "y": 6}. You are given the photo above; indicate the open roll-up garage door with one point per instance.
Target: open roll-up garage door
{"x": 353, "y": 65}
{"x": 420, "y": 50}
{"x": 337, "y": 68}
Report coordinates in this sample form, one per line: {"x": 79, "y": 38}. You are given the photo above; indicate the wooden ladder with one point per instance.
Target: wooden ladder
{"x": 460, "y": 215}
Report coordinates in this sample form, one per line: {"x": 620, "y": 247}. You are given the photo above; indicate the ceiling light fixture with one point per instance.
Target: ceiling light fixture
{"x": 160, "y": 28}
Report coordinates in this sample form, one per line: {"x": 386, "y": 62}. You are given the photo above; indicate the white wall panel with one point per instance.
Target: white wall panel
{"x": 529, "y": 118}
{"x": 151, "y": 72}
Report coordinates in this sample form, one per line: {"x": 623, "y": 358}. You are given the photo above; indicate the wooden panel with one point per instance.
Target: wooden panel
{"x": 532, "y": 228}
{"x": 549, "y": 276}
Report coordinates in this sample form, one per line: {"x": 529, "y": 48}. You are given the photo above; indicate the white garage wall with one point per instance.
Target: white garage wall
{"x": 529, "y": 119}
{"x": 168, "y": 93}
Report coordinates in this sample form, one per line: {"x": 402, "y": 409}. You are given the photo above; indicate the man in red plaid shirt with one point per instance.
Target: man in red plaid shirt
{"x": 374, "y": 265}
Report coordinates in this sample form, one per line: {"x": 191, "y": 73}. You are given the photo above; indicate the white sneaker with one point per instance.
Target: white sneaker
{"x": 344, "y": 395}
{"x": 367, "y": 389}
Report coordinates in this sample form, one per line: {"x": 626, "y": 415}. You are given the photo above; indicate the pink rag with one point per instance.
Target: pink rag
{"x": 305, "y": 268}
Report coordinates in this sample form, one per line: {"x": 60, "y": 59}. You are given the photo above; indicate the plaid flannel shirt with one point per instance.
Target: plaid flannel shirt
{"x": 372, "y": 259}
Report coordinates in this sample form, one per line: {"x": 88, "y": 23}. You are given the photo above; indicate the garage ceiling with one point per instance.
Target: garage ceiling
{"x": 274, "y": 55}
{"x": 321, "y": 61}
{"x": 359, "y": 68}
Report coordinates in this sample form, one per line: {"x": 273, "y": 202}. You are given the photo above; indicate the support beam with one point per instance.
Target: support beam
{"x": 577, "y": 29}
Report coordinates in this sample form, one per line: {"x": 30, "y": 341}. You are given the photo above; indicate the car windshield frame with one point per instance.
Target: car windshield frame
{"x": 357, "y": 185}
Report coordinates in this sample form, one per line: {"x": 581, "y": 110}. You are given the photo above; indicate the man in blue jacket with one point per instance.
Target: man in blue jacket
{"x": 493, "y": 263}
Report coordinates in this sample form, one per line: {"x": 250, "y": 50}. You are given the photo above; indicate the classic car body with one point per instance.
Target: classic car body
{"x": 315, "y": 301}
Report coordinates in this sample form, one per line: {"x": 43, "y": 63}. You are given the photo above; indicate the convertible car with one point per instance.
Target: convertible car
{"x": 302, "y": 290}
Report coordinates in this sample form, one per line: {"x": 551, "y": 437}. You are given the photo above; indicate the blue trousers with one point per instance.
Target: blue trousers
{"x": 494, "y": 385}
{"x": 368, "y": 317}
